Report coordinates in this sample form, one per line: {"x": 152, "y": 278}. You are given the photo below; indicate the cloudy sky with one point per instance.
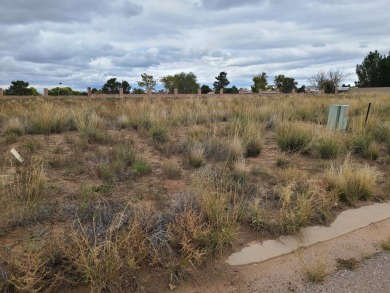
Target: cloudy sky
{"x": 83, "y": 43}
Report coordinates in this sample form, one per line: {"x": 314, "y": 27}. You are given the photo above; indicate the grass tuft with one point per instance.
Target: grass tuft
{"x": 352, "y": 182}
{"x": 293, "y": 137}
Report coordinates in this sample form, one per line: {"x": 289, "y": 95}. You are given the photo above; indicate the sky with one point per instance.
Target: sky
{"x": 85, "y": 42}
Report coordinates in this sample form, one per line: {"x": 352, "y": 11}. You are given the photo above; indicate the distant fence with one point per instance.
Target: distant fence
{"x": 149, "y": 94}
{"x": 369, "y": 90}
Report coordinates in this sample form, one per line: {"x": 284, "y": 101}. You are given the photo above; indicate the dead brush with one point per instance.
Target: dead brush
{"x": 104, "y": 255}
{"x": 202, "y": 232}
{"x": 98, "y": 261}
{"x": 32, "y": 272}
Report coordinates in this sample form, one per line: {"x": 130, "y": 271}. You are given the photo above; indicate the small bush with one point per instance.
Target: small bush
{"x": 89, "y": 124}
{"x": 159, "y": 134}
{"x": 172, "y": 171}
{"x": 361, "y": 143}
{"x": 196, "y": 155}
{"x": 217, "y": 149}
{"x": 293, "y": 138}
{"x": 316, "y": 271}
{"x": 239, "y": 173}
{"x": 106, "y": 173}
{"x": 283, "y": 162}
{"x": 236, "y": 149}
{"x": 253, "y": 148}
{"x": 123, "y": 121}
{"x": 352, "y": 182}
{"x": 372, "y": 151}
{"x": 328, "y": 148}
{"x": 141, "y": 167}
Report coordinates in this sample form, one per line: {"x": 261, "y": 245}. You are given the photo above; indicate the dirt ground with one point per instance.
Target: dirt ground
{"x": 287, "y": 273}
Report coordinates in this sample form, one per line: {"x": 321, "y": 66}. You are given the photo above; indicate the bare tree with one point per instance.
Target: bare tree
{"x": 320, "y": 78}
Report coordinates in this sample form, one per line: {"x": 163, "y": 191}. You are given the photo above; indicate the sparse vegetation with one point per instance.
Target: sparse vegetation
{"x": 349, "y": 264}
{"x": 386, "y": 245}
{"x": 119, "y": 187}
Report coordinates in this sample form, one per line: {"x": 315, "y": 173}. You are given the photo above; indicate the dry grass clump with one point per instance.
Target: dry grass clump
{"x": 293, "y": 137}
{"x": 14, "y": 125}
{"x": 159, "y": 134}
{"x": 104, "y": 255}
{"x": 316, "y": 271}
{"x": 386, "y": 245}
{"x": 352, "y": 181}
{"x": 240, "y": 173}
{"x": 203, "y": 228}
{"x": 172, "y": 171}
{"x": 123, "y": 121}
{"x": 299, "y": 203}
{"x": 328, "y": 146}
{"x": 236, "y": 149}
{"x": 22, "y": 200}
{"x": 196, "y": 155}
{"x": 33, "y": 271}
{"x": 47, "y": 119}
{"x": 89, "y": 124}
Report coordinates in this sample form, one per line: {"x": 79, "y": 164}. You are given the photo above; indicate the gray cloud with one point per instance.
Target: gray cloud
{"x": 83, "y": 43}
{"x": 26, "y": 11}
{"x": 226, "y": 4}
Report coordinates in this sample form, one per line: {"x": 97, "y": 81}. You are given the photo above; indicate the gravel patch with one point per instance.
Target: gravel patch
{"x": 373, "y": 275}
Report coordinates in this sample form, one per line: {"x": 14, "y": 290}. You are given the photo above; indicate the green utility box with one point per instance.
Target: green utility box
{"x": 338, "y": 117}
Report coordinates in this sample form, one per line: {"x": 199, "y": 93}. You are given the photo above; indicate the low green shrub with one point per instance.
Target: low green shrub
{"x": 141, "y": 167}
{"x": 159, "y": 134}
{"x": 328, "y": 148}
{"x": 293, "y": 138}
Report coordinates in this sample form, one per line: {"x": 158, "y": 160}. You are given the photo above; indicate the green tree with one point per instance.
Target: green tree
{"x": 285, "y": 84}
{"x": 329, "y": 87}
{"x": 186, "y": 83}
{"x": 147, "y": 82}
{"x": 112, "y": 86}
{"x": 301, "y": 89}
{"x": 34, "y": 91}
{"x": 259, "y": 82}
{"x": 19, "y": 88}
{"x": 205, "y": 89}
{"x": 221, "y": 82}
{"x": 138, "y": 91}
{"x": 61, "y": 91}
{"x": 232, "y": 90}
{"x": 374, "y": 71}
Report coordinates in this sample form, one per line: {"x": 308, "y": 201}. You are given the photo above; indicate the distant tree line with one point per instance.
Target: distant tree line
{"x": 373, "y": 72}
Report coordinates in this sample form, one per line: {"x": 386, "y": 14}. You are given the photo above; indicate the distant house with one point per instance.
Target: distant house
{"x": 312, "y": 90}
{"x": 342, "y": 89}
